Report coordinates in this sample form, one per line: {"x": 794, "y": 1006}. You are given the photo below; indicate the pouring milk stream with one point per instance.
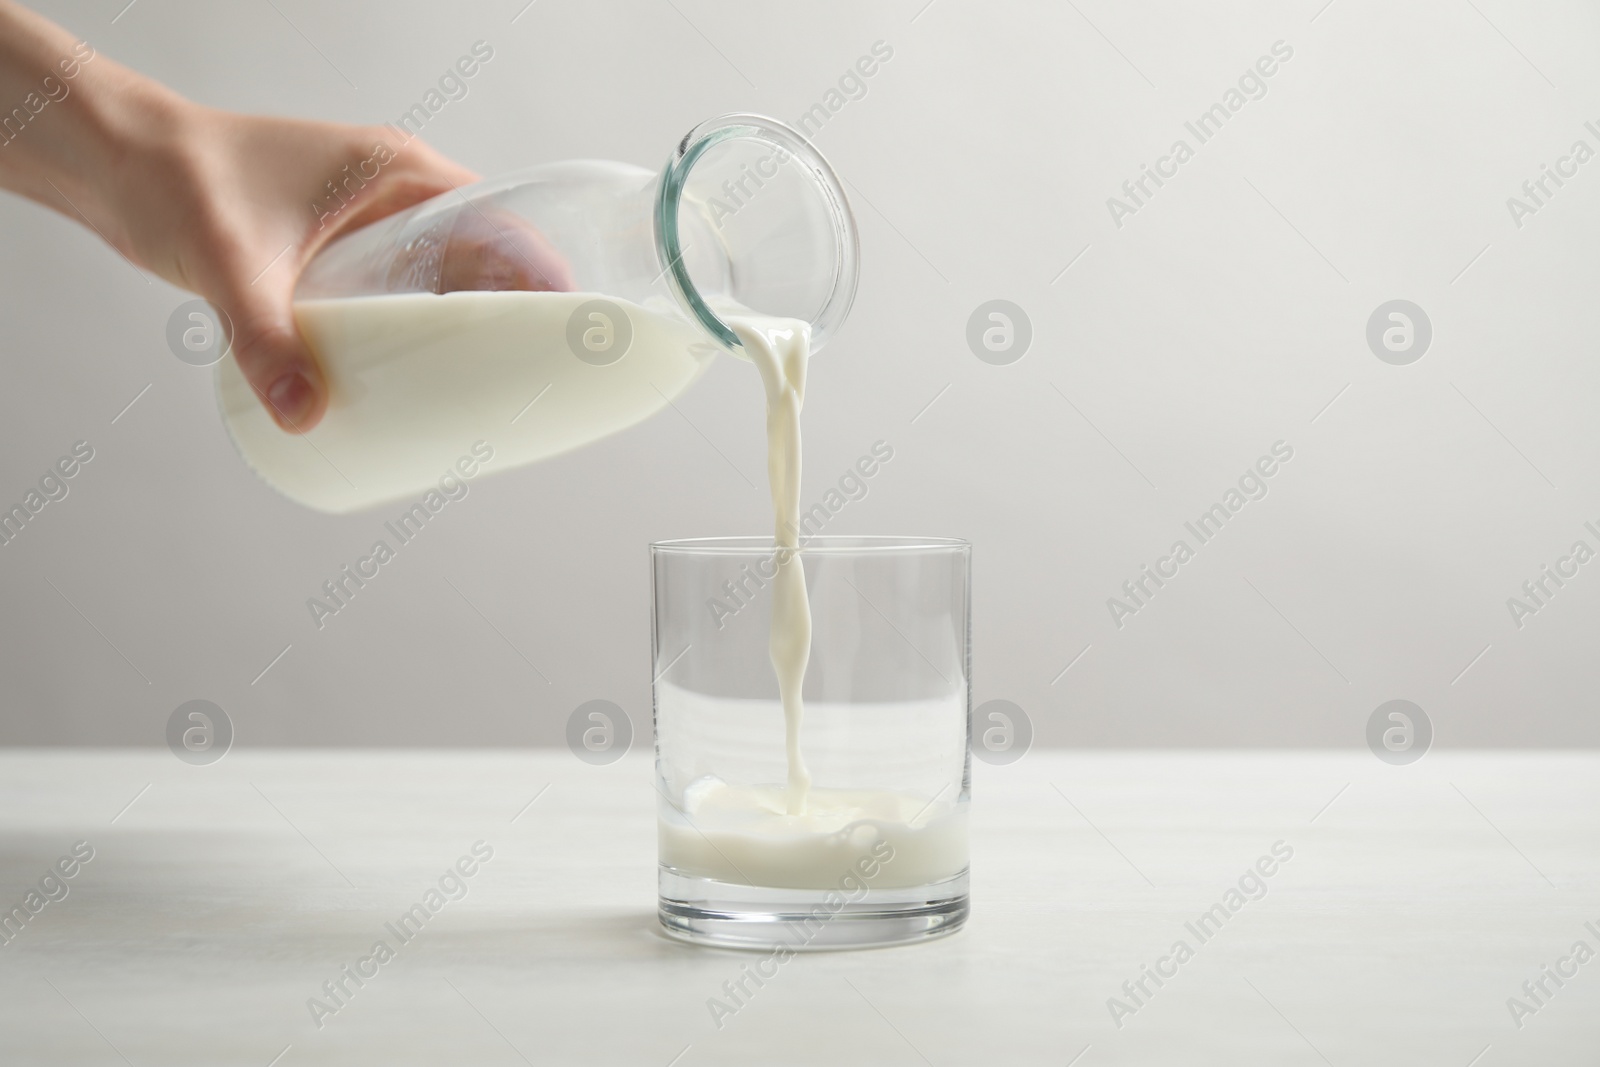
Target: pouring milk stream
{"x": 780, "y": 350}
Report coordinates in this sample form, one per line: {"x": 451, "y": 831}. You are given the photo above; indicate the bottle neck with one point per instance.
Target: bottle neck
{"x": 749, "y": 215}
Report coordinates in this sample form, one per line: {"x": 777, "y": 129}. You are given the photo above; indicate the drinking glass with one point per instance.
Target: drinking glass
{"x": 878, "y": 852}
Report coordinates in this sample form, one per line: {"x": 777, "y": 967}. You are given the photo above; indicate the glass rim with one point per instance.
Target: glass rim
{"x": 669, "y": 190}
{"x": 820, "y": 544}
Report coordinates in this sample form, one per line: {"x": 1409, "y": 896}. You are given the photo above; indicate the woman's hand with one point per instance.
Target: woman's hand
{"x": 232, "y": 206}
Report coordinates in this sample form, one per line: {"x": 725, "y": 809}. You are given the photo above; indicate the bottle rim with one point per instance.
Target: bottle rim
{"x": 669, "y": 193}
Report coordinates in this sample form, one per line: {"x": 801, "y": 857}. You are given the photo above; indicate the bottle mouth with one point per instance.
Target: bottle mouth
{"x": 750, "y": 217}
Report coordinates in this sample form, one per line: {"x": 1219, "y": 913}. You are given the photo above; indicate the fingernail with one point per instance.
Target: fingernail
{"x": 291, "y": 397}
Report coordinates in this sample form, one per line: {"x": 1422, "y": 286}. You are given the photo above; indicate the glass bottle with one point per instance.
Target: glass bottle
{"x": 529, "y": 315}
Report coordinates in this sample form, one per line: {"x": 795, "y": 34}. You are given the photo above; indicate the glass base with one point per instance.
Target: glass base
{"x": 709, "y": 912}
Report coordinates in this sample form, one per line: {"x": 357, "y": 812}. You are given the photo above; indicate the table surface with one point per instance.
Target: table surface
{"x": 1416, "y": 902}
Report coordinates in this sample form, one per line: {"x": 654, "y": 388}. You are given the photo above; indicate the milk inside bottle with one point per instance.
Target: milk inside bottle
{"x": 414, "y": 379}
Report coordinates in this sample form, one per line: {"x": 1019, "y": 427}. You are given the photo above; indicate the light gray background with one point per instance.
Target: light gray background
{"x": 1224, "y": 316}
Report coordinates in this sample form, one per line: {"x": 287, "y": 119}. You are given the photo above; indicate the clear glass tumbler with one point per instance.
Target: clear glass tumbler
{"x": 878, "y": 851}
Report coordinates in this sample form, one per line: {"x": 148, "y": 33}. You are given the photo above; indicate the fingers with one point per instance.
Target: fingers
{"x": 278, "y": 365}
{"x": 267, "y": 345}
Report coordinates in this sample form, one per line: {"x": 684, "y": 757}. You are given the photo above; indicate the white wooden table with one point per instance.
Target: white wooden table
{"x": 1417, "y": 901}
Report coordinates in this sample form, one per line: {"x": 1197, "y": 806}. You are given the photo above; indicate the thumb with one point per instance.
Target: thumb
{"x": 276, "y": 361}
